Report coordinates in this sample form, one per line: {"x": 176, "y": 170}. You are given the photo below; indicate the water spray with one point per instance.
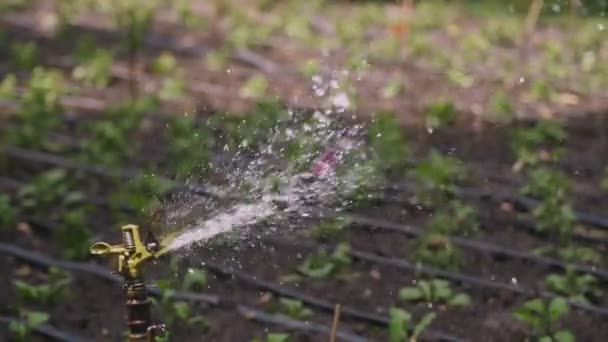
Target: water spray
{"x": 131, "y": 256}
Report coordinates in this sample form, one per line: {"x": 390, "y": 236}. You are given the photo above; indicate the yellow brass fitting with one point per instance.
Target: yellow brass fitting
{"x": 131, "y": 253}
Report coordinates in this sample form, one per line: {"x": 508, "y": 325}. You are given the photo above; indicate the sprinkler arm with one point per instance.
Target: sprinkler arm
{"x": 132, "y": 253}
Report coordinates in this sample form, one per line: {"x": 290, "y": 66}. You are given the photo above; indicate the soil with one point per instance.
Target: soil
{"x": 93, "y": 308}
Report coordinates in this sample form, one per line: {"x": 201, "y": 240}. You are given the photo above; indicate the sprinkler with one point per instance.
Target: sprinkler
{"x": 131, "y": 255}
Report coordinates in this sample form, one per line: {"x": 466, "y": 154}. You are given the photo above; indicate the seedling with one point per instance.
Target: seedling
{"x": 437, "y": 175}
{"x": 537, "y": 144}
{"x": 51, "y": 189}
{"x": 47, "y": 293}
{"x": 575, "y": 286}
{"x": 24, "y": 55}
{"x": 323, "y": 265}
{"x": 295, "y": 309}
{"x": 393, "y": 88}
{"x": 74, "y": 236}
{"x": 189, "y": 146}
{"x": 329, "y": 228}
{"x": 542, "y": 317}
{"x": 8, "y": 214}
{"x": 8, "y": 87}
{"x": 434, "y": 291}
{"x": 177, "y": 313}
{"x": 457, "y": 218}
{"x": 273, "y": 337}
{"x": 194, "y": 280}
{"x": 437, "y": 250}
{"x": 21, "y": 330}
{"x": 94, "y": 68}
{"x": 142, "y": 194}
{"x": 401, "y": 328}
{"x": 255, "y": 87}
{"x": 500, "y": 108}
{"x": 39, "y": 109}
{"x": 387, "y": 140}
{"x": 440, "y": 114}
{"x": 554, "y": 213}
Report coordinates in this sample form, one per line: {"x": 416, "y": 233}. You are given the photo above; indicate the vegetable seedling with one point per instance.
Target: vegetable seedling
{"x": 295, "y": 309}
{"x": 21, "y": 330}
{"x": 47, "y": 293}
{"x": 434, "y": 291}
{"x": 387, "y": 140}
{"x": 578, "y": 287}
{"x": 542, "y": 317}
{"x": 401, "y": 327}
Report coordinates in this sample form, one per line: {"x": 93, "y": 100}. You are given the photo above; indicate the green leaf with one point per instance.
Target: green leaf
{"x": 195, "y": 280}
{"x": 277, "y": 337}
{"x": 398, "y": 325}
{"x": 557, "y": 308}
{"x": 461, "y": 299}
{"x": 564, "y": 336}
{"x": 410, "y": 294}
{"x": 423, "y": 325}
{"x": 36, "y": 318}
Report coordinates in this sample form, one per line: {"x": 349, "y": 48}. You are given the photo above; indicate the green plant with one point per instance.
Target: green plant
{"x": 401, "y": 328}
{"x": 8, "y": 214}
{"x": 324, "y": 265}
{"x": 541, "y": 142}
{"x": 48, "y": 192}
{"x": 94, "y": 68}
{"x": 47, "y": 293}
{"x": 440, "y": 114}
{"x": 74, "y": 236}
{"x": 578, "y": 287}
{"x": 177, "y": 313}
{"x": 542, "y": 316}
{"x": 437, "y": 176}
{"x": 142, "y": 194}
{"x": 434, "y": 291}
{"x": 194, "y": 280}
{"x": 22, "y": 329}
{"x": 273, "y": 337}
{"x": 393, "y": 88}
{"x": 456, "y": 218}
{"x": 8, "y": 87}
{"x": 438, "y": 251}
{"x": 387, "y": 140}
{"x": 110, "y": 141}
{"x": 188, "y": 146}
{"x": 554, "y": 213}
{"x": 24, "y": 55}
{"x": 255, "y": 87}
{"x": 295, "y": 309}
{"x": 39, "y": 108}
{"x": 329, "y": 228}
{"x": 500, "y": 108}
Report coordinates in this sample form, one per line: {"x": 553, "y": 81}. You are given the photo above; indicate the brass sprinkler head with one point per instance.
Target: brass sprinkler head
{"x": 131, "y": 255}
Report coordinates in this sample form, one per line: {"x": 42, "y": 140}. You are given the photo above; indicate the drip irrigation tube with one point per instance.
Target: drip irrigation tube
{"x": 318, "y": 303}
{"x": 308, "y": 327}
{"x": 128, "y": 174}
{"x": 477, "y": 245}
{"x": 459, "y": 277}
{"x": 46, "y": 331}
{"x": 248, "y": 312}
{"x": 96, "y": 270}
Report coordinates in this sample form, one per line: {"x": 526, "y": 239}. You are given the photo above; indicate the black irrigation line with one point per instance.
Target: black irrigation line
{"x": 42, "y": 260}
{"x": 524, "y": 202}
{"x": 318, "y": 303}
{"x": 46, "y": 331}
{"x": 476, "y": 245}
{"x": 291, "y": 324}
{"x": 127, "y": 174}
{"x": 45, "y": 261}
{"x": 453, "y": 276}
